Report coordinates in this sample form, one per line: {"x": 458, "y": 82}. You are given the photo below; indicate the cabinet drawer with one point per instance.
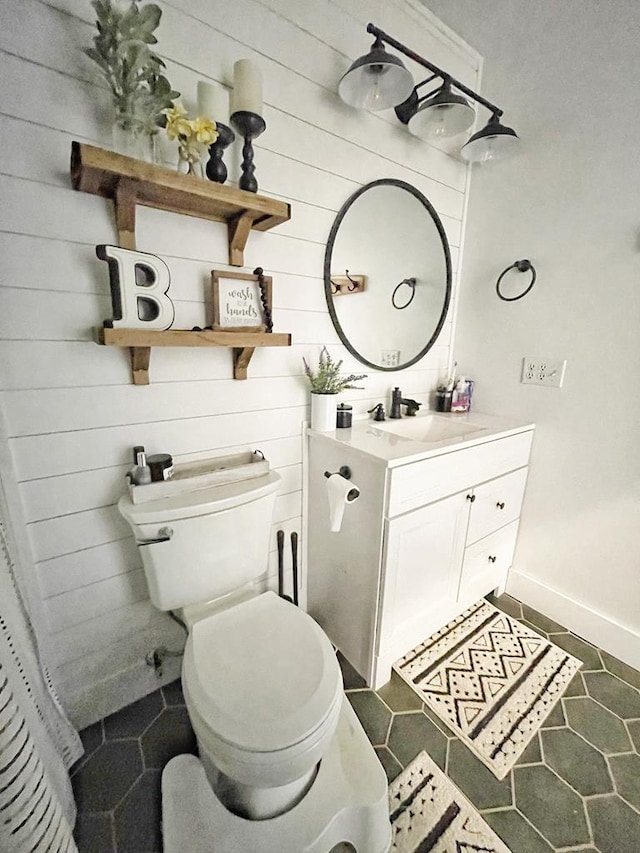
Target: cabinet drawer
{"x": 496, "y": 504}
{"x": 486, "y": 563}
{"x": 421, "y": 483}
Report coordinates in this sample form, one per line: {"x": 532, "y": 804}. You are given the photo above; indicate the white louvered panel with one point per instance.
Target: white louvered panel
{"x": 30, "y": 815}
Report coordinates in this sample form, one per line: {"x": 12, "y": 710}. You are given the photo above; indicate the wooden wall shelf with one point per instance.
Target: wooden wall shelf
{"x": 141, "y": 341}
{"x": 130, "y": 182}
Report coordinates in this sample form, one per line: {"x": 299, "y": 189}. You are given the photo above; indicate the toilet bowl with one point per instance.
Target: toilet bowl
{"x": 284, "y": 764}
{"x": 263, "y": 690}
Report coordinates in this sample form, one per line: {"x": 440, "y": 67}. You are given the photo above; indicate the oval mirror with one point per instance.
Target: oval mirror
{"x": 387, "y": 274}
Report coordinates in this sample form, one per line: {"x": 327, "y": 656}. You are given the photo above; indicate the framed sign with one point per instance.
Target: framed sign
{"x": 241, "y": 301}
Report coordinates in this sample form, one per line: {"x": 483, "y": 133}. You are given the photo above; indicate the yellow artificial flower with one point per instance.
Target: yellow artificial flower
{"x": 204, "y": 130}
{"x": 176, "y": 111}
{"x": 177, "y": 123}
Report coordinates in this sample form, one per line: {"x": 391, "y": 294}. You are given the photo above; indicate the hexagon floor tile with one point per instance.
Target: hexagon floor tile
{"x": 575, "y": 788}
{"x": 551, "y": 806}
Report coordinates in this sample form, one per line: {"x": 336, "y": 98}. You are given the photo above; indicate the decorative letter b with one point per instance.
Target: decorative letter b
{"x": 139, "y": 284}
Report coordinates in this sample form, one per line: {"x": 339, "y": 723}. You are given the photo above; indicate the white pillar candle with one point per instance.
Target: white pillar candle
{"x": 247, "y": 87}
{"x": 213, "y": 102}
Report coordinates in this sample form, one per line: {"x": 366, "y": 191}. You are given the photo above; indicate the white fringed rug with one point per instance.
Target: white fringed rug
{"x": 492, "y": 679}
{"x": 430, "y": 815}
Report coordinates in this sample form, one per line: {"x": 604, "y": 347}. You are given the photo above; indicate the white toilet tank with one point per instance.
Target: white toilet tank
{"x": 199, "y": 545}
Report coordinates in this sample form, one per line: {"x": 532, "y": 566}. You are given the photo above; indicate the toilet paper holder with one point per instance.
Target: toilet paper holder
{"x": 344, "y": 471}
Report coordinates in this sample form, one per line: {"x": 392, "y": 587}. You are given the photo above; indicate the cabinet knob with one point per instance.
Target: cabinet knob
{"x": 492, "y": 559}
{"x": 471, "y": 498}
{"x": 500, "y": 504}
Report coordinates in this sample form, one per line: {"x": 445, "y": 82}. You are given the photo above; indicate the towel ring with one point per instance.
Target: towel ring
{"x": 411, "y": 282}
{"x": 521, "y": 266}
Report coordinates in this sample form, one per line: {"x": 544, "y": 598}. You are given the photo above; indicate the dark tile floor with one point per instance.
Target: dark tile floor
{"x": 575, "y": 788}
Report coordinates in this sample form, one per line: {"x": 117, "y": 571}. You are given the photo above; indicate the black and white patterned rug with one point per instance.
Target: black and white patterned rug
{"x": 492, "y": 679}
{"x": 430, "y": 815}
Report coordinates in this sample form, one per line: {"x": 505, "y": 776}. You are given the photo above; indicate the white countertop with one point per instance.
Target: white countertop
{"x": 380, "y": 440}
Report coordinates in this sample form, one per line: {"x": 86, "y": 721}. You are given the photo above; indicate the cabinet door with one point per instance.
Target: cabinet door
{"x": 486, "y": 564}
{"x": 496, "y": 504}
{"x": 422, "y": 557}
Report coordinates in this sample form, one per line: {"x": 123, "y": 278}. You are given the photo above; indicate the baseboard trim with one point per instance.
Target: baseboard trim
{"x": 113, "y": 693}
{"x": 619, "y": 640}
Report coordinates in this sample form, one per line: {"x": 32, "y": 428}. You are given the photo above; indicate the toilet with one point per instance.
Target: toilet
{"x": 284, "y": 763}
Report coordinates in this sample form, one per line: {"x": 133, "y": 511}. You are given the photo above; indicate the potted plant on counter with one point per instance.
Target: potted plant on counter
{"x": 326, "y": 382}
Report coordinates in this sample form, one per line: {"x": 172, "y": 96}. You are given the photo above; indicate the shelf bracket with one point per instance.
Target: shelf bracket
{"x": 239, "y": 229}
{"x": 140, "y": 358}
{"x": 241, "y": 359}
{"x": 124, "y": 200}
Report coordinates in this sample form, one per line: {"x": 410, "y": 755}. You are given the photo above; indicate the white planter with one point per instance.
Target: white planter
{"x": 323, "y": 411}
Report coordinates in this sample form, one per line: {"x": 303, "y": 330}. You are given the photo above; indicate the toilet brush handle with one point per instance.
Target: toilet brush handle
{"x": 294, "y": 565}
{"x": 280, "y": 541}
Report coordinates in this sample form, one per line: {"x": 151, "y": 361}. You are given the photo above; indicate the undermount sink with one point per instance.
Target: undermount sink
{"x": 427, "y": 428}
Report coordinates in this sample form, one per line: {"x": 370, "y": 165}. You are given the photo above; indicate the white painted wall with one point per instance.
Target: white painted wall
{"x": 72, "y": 415}
{"x": 565, "y": 74}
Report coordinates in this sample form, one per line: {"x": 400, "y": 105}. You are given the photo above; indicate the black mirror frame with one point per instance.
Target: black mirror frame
{"x": 327, "y": 270}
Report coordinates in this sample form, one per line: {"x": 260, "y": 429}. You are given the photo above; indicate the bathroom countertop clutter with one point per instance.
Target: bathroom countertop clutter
{"x": 424, "y": 435}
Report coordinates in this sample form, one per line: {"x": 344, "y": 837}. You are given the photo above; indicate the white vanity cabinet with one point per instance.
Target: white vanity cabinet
{"x": 430, "y": 535}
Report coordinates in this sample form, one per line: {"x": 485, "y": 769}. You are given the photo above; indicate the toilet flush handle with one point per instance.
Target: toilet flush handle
{"x": 164, "y": 535}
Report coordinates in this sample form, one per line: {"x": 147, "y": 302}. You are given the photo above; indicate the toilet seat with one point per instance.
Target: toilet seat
{"x": 263, "y": 688}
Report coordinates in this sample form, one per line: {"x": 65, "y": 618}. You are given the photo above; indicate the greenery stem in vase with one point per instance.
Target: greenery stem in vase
{"x": 327, "y": 379}
{"x": 139, "y": 90}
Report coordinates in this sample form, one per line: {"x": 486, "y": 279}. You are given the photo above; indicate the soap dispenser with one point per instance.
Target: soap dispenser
{"x": 141, "y": 474}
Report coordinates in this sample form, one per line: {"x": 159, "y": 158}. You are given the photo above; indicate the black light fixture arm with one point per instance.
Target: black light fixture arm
{"x": 437, "y": 72}
{"x": 425, "y": 81}
{"x": 415, "y": 99}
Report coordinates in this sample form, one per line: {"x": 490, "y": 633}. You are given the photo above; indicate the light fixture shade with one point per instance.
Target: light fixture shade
{"x": 493, "y": 142}
{"x": 376, "y": 81}
{"x": 442, "y": 115}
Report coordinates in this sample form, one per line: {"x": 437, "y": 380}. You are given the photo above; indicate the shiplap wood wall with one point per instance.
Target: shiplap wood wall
{"x": 71, "y": 414}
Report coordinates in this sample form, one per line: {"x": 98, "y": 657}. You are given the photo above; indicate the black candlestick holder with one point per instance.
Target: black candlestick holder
{"x": 249, "y": 126}
{"x": 215, "y": 169}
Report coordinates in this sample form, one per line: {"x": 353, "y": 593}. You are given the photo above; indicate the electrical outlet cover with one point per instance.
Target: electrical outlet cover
{"x": 543, "y": 371}
{"x": 390, "y": 357}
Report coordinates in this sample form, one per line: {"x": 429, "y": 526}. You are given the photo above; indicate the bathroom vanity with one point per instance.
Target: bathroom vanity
{"x": 434, "y": 528}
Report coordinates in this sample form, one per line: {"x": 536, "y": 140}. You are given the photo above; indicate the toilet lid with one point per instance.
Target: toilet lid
{"x": 262, "y": 674}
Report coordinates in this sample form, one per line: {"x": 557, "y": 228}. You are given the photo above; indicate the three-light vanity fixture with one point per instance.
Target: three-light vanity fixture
{"x": 380, "y": 80}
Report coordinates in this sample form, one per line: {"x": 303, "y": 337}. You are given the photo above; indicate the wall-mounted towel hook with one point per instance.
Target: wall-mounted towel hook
{"x": 342, "y": 285}
{"x": 344, "y": 471}
{"x": 354, "y": 284}
{"x": 521, "y": 266}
